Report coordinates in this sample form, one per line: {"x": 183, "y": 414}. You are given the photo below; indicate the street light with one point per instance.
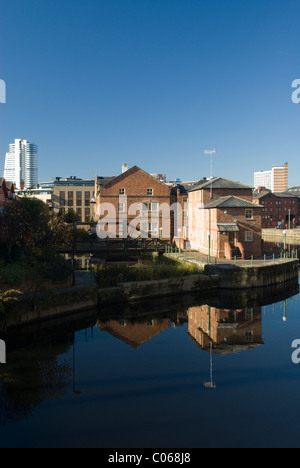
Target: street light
{"x": 284, "y": 241}
{"x": 179, "y": 240}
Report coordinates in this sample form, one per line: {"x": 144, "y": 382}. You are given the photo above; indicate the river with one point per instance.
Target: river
{"x": 189, "y": 373}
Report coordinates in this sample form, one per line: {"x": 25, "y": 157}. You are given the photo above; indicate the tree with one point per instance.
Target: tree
{"x": 28, "y": 224}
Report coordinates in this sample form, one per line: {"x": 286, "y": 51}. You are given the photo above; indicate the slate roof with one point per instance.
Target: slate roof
{"x": 257, "y": 195}
{"x": 219, "y": 182}
{"x": 230, "y": 202}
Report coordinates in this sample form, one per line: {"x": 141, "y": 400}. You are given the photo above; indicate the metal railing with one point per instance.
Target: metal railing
{"x": 266, "y": 259}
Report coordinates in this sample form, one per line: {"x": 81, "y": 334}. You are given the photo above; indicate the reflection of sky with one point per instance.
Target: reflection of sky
{"x": 154, "y": 395}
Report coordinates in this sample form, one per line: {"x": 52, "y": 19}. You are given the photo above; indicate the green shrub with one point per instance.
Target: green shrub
{"x": 56, "y": 269}
{"x": 148, "y": 269}
{"x": 14, "y": 273}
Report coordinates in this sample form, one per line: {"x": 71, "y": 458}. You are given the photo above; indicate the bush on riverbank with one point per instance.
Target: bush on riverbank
{"x": 150, "y": 267}
{"x": 55, "y": 270}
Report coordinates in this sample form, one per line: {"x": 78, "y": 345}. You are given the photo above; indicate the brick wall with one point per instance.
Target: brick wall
{"x": 132, "y": 187}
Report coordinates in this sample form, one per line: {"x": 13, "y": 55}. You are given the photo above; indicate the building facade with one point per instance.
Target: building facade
{"x": 21, "y": 164}
{"x": 121, "y": 200}
{"x": 70, "y": 194}
{"x": 7, "y": 193}
{"x": 276, "y": 180}
{"x": 223, "y": 221}
{"x": 278, "y": 209}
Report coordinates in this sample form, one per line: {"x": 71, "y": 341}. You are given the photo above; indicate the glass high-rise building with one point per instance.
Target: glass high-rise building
{"x": 21, "y": 164}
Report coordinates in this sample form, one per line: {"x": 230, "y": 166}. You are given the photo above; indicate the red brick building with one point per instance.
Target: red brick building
{"x": 278, "y": 209}
{"x": 223, "y": 220}
{"x": 230, "y": 331}
{"x": 120, "y": 200}
{"x": 7, "y": 193}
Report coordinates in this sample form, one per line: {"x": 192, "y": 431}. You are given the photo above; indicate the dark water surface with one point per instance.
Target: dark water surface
{"x": 182, "y": 373}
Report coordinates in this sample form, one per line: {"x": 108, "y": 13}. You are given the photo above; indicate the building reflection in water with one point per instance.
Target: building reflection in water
{"x": 134, "y": 333}
{"x": 219, "y": 326}
{"x": 229, "y": 331}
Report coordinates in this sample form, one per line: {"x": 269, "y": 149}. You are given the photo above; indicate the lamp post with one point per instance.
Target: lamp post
{"x": 179, "y": 240}
{"x": 284, "y": 241}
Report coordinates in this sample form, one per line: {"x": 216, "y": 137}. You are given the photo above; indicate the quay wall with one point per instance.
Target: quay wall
{"x": 157, "y": 288}
{"x": 49, "y": 305}
{"x": 276, "y": 235}
{"x": 234, "y": 277}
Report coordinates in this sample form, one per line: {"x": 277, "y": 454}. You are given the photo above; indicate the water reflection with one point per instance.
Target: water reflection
{"x": 41, "y": 358}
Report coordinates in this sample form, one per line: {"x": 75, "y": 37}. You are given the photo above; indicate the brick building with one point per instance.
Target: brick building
{"x": 7, "y": 193}
{"x": 279, "y": 209}
{"x": 134, "y": 334}
{"x": 230, "y": 331}
{"x": 223, "y": 220}
{"x": 120, "y": 200}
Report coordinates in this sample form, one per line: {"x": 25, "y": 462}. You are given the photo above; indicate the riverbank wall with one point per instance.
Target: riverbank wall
{"x": 49, "y": 305}
{"x": 277, "y": 235}
{"x": 250, "y": 277}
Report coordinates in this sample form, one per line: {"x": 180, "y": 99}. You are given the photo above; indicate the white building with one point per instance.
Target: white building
{"x": 275, "y": 180}
{"x": 21, "y": 164}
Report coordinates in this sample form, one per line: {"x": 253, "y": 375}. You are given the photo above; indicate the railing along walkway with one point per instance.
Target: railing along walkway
{"x": 267, "y": 259}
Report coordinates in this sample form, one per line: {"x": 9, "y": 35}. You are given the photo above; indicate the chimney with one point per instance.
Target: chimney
{"x": 124, "y": 168}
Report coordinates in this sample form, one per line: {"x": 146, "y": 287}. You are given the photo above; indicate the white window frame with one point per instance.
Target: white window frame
{"x": 248, "y": 236}
{"x": 150, "y": 192}
{"x": 123, "y": 205}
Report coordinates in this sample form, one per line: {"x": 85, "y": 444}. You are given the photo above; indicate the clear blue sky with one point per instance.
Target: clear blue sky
{"x": 154, "y": 83}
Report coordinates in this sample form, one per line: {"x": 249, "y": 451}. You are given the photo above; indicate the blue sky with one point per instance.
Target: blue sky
{"x": 154, "y": 83}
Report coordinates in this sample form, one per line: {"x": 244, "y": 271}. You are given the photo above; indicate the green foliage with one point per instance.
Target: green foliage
{"x": 55, "y": 269}
{"x": 14, "y": 273}
{"x": 149, "y": 268}
{"x": 7, "y": 297}
{"x": 71, "y": 217}
{"x": 27, "y": 227}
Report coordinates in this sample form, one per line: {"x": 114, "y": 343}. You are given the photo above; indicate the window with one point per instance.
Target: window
{"x": 87, "y": 214}
{"x": 248, "y": 336}
{"x": 248, "y": 236}
{"x": 79, "y": 213}
{"x": 249, "y": 214}
{"x": 121, "y": 207}
{"x": 149, "y": 192}
{"x": 123, "y": 229}
{"x": 70, "y": 199}
{"x": 62, "y": 198}
{"x": 78, "y": 198}
{"x": 121, "y": 191}
{"x": 87, "y": 198}
{"x": 153, "y": 229}
{"x": 154, "y": 207}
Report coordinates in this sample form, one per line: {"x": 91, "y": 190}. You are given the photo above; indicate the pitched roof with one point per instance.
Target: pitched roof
{"x": 219, "y": 182}
{"x": 257, "y": 195}
{"x": 230, "y": 202}
{"x": 134, "y": 169}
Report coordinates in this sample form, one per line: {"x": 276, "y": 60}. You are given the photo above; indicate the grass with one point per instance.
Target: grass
{"x": 150, "y": 267}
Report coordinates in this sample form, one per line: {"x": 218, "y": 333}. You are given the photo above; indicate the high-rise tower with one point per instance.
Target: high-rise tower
{"x": 21, "y": 164}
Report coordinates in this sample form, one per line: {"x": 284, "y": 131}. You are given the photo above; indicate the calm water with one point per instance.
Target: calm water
{"x": 206, "y": 372}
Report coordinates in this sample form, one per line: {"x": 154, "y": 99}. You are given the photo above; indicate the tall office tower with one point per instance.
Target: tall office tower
{"x": 276, "y": 180}
{"x": 21, "y": 164}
